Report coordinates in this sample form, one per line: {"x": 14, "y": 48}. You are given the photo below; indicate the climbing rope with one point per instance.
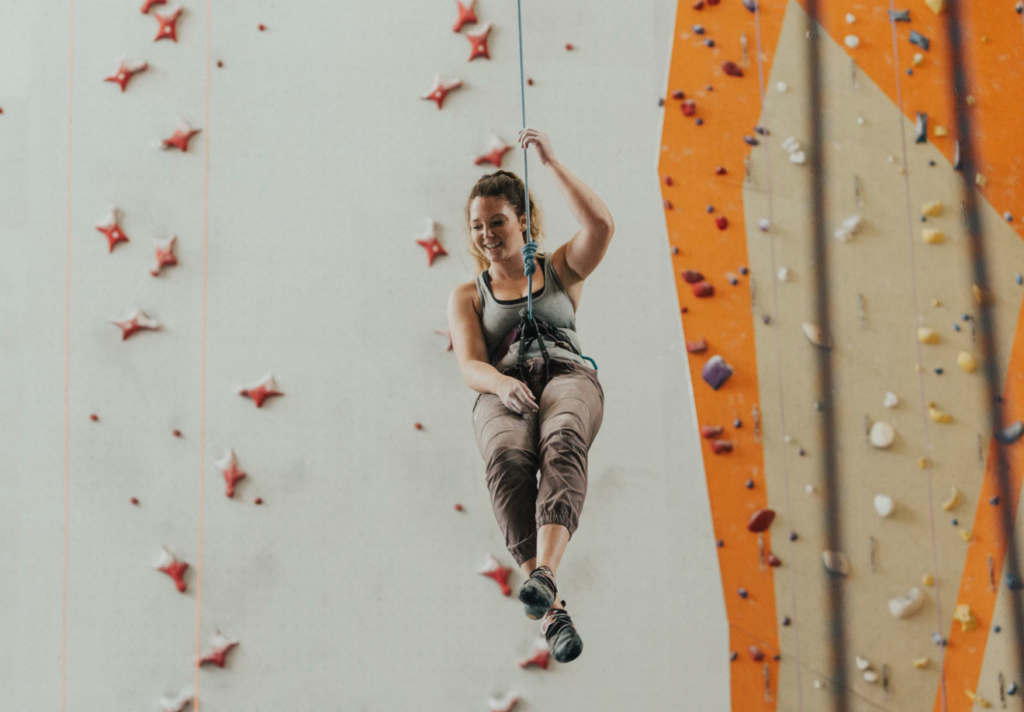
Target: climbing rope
{"x": 530, "y": 328}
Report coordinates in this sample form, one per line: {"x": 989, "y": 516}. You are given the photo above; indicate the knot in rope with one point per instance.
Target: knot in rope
{"x": 529, "y": 250}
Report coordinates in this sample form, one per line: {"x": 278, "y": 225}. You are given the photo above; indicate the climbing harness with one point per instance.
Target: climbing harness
{"x": 530, "y": 327}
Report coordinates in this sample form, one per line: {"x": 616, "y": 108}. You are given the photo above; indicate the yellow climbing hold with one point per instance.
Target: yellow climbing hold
{"x": 953, "y": 500}
{"x": 939, "y": 416}
{"x": 980, "y": 180}
{"x": 920, "y": 663}
{"x": 967, "y": 362}
{"x": 970, "y": 100}
{"x": 919, "y": 368}
{"x": 966, "y": 618}
{"x": 932, "y": 236}
{"x": 928, "y": 336}
{"x": 936, "y": 6}
{"x": 941, "y": 131}
{"x": 922, "y": 462}
{"x": 979, "y": 699}
{"x": 936, "y": 303}
{"x": 933, "y": 209}
{"x": 965, "y": 534}
{"x": 917, "y": 60}
{"x": 928, "y": 580}
{"x": 979, "y": 294}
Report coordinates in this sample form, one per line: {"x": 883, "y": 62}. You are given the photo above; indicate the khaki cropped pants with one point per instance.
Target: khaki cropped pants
{"x": 555, "y": 440}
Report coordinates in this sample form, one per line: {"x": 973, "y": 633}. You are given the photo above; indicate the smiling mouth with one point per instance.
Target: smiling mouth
{"x": 492, "y": 247}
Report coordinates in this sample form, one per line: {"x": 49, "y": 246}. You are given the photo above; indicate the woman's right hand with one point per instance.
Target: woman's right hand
{"x": 516, "y": 396}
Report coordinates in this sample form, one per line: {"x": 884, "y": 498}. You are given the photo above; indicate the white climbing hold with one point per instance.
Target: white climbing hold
{"x": 850, "y": 19}
{"x": 860, "y": 120}
{"x": 818, "y": 684}
{"x": 906, "y": 605}
{"x": 503, "y": 704}
{"x": 763, "y": 224}
{"x": 852, "y": 41}
{"x": 809, "y": 489}
{"x": 814, "y": 334}
{"x": 787, "y": 439}
{"x": 884, "y": 505}
{"x": 798, "y": 157}
{"x": 836, "y": 562}
{"x": 863, "y": 663}
{"x": 781, "y": 86}
{"x": 175, "y": 704}
{"x": 890, "y": 400}
{"x": 870, "y": 676}
{"x": 849, "y": 227}
{"x": 790, "y": 145}
{"x": 783, "y": 274}
{"x": 953, "y": 500}
{"x": 882, "y": 434}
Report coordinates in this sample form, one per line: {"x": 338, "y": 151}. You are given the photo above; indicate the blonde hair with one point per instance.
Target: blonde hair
{"x": 507, "y": 185}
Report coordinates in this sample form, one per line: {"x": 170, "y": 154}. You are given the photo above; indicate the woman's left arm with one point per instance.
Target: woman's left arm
{"x": 584, "y": 252}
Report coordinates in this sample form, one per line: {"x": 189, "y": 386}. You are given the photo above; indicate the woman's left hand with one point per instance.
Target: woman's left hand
{"x": 540, "y": 140}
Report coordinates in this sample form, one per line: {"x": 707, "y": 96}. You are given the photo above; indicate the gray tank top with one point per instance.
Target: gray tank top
{"x": 500, "y": 321}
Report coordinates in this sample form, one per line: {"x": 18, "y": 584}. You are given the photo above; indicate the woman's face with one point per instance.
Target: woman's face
{"x": 495, "y": 229}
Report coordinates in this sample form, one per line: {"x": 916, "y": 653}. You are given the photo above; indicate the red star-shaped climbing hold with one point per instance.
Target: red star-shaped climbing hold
{"x": 228, "y": 466}
{"x": 478, "y": 43}
{"x": 466, "y": 15}
{"x": 125, "y": 71}
{"x": 496, "y": 150}
{"x": 147, "y": 4}
{"x": 164, "y": 255}
{"x": 136, "y": 321}
{"x": 180, "y": 138}
{"x": 168, "y": 24}
{"x": 221, "y": 646}
{"x": 172, "y": 567}
{"x": 428, "y": 241}
{"x": 109, "y": 227}
{"x": 499, "y": 573}
{"x": 262, "y": 390}
{"x": 448, "y": 335}
{"x": 440, "y": 90}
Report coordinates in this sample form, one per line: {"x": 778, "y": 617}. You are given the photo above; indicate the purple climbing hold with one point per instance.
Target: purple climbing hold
{"x": 743, "y": 593}
{"x": 698, "y": 29}
{"x": 792, "y": 536}
{"x": 751, "y": 140}
{"x": 750, "y": 5}
{"x": 716, "y": 372}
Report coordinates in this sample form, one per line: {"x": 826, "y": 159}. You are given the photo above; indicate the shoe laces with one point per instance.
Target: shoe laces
{"x": 542, "y": 573}
{"x": 554, "y": 620}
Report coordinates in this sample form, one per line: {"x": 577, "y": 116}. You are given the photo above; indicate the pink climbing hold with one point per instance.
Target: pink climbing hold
{"x": 711, "y": 431}
{"x": 691, "y": 276}
{"x": 495, "y": 151}
{"x": 147, "y": 4}
{"x": 568, "y": 47}
{"x": 703, "y": 289}
{"x": 168, "y": 24}
{"x": 761, "y": 520}
{"x": 478, "y": 43}
{"x": 755, "y": 653}
{"x": 228, "y": 467}
{"x": 172, "y": 567}
{"x": 428, "y": 241}
{"x": 458, "y": 507}
{"x": 668, "y": 204}
{"x": 499, "y": 573}
{"x": 109, "y": 226}
{"x": 732, "y": 69}
{"x": 164, "y": 255}
{"x": 441, "y": 89}
{"x": 134, "y": 500}
{"x": 541, "y": 655}
{"x": 176, "y": 433}
{"x": 697, "y": 347}
{"x": 418, "y": 426}
{"x": 668, "y": 180}
{"x": 220, "y": 648}
{"x": 721, "y": 222}
{"x": 689, "y": 107}
{"x": 136, "y": 321}
{"x": 720, "y": 171}
{"x": 773, "y": 560}
{"x": 261, "y": 391}
{"x": 721, "y": 446}
{"x": 699, "y": 5}
{"x": 678, "y": 94}
{"x": 94, "y": 417}
{"x": 125, "y": 71}
{"x": 180, "y": 138}
{"x": 467, "y": 15}
{"x": 258, "y": 500}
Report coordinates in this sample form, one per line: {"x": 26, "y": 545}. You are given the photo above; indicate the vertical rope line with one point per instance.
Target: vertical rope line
{"x": 917, "y": 345}
{"x": 829, "y": 464}
{"x": 988, "y": 346}
{"x": 526, "y": 174}
{"x": 67, "y": 375}
{"x": 778, "y": 359}
{"x": 202, "y": 376}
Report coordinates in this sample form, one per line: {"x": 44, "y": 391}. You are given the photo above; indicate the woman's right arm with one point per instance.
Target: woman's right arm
{"x": 468, "y": 342}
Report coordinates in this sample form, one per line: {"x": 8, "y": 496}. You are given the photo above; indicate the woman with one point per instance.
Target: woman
{"x": 531, "y": 413}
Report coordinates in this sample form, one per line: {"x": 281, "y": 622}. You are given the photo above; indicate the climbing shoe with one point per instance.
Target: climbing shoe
{"x": 538, "y": 592}
{"x": 563, "y": 640}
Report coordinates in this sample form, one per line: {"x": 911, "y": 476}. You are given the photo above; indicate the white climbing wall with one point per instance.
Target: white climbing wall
{"x": 355, "y": 584}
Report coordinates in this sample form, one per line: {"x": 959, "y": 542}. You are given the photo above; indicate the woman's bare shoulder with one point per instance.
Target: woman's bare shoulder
{"x": 466, "y": 294}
